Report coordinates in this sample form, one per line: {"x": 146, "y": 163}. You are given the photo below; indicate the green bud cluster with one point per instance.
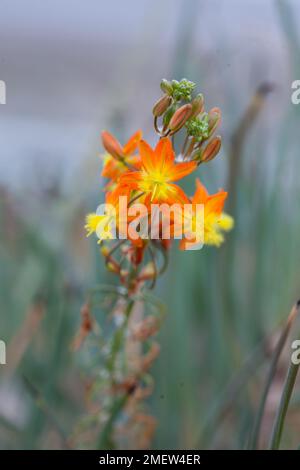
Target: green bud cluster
{"x": 182, "y": 90}
{"x": 198, "y": 127}
{"x": 178, "y": 90}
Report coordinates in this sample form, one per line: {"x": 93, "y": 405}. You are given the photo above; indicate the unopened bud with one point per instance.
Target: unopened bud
{"x": 124, "y": 272}
{"x": 168, "y": 114}
{"x": 211, "y": 150}
{"x": 214, "y": 119}
{"x": 197, "y": 105}
{"x": 113, "y": 268}
{"x": 149, "y": 271}
{"x": 161, "y": 105}
{"x": 166, "y": 86}
{"x": 111, "y": 145}
{"x": 104, "y": 250}
{"x": 180, "y": 117}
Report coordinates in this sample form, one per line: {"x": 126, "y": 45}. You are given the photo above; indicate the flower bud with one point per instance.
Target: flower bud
{"x": 166, "y": 86}
{"x": 211, "y": 150}
{"x": 149, "y": 271}
{"x": 161, "y": 105}
{"x": 168, "y": 114}
{"x": 112, "y": 267}
{"x": 104, "y": 250}
{"x": 214, "y": 119}
{"x": 197, "y": 105}
{"x": 180, "y": 117}
{"x": 124, "y": 273}
{"x": 111, "y": 145}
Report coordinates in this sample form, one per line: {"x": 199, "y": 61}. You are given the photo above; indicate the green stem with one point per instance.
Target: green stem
{"x": 118, "y": 338}
{"x": 105, "y": 438}
{"x": 273, "y": 367}
{"x": 283, "y": 406}
{"x": 106, "y": 441}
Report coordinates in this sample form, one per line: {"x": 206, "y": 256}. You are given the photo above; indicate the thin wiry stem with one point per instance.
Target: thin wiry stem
{"x": 273, "y": 367}
{"x": 152, "y": 254}
{"x": 283, "y": 406}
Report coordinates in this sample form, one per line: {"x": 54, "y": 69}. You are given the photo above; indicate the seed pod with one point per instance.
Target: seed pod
{"x": 197, "y": 105}
{"x": 161, "y": 105}
{"x": 211, "y": 150}
{"x": 180, "y": 117}
{"x": 166, "y": 86}
{"x": 111, "y": 145}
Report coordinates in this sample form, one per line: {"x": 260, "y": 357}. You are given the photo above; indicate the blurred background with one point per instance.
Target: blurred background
{"x": 73, "y": 68}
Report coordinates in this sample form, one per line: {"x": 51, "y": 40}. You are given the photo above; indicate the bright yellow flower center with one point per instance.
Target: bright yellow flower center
{"x": 155, "y": 182}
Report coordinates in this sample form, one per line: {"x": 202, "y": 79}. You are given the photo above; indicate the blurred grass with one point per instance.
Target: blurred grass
{"x": 221, "y": 303}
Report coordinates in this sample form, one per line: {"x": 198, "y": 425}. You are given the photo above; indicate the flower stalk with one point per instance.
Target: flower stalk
{"x": 146, "y": 176}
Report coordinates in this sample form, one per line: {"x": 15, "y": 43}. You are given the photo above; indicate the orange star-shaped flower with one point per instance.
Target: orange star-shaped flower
{"x": 158, "y": 171}
{"x": 215, "y": 220}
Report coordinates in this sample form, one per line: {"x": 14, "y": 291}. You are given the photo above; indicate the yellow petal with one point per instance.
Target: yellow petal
{"x": 225, "y": 222}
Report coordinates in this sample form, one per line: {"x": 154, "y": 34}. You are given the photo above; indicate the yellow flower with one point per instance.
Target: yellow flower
{"x": 102, "y": 225}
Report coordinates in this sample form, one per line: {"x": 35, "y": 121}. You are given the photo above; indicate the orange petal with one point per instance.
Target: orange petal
{"x": 164, "y": 153}
{"x": 176, "y": 195}
{"x": 215, "y": 202}
{"x": 201, "y": 193}
{"x": 134, "y": 161}
{"x": 130, "y": 178}
{"x": 179, "y": 170}
{"x": 132, "y": 143}
{"x": 147, "y": 156}
{"x": 111, "y": 169}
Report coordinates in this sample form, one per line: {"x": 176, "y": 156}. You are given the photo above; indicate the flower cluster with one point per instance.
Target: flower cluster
{"x": 141, "y": 177}
{"x": 145, "y": 210}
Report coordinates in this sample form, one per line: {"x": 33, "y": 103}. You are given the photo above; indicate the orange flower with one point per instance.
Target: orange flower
{"x": 118, "y": 158}
{"x": 158, "y": 171}
{"x": 215, "y": 220}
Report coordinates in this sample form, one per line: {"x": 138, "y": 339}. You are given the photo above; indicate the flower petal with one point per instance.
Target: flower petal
{"x": 132, "y": 143}
{"x": 130, "y": 178}
{"x": 180, "y": 170}
{"x": 215, "y": 203}
{"x": 164, "y": 154}
{"x": 201, "y": 193}
{"x": 147, "y": 156}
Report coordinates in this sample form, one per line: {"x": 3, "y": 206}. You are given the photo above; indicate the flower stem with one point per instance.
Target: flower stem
{"x": 273, "y": 367}
{"x": 283, "y": 406}
{"x": 105, "y": 438}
